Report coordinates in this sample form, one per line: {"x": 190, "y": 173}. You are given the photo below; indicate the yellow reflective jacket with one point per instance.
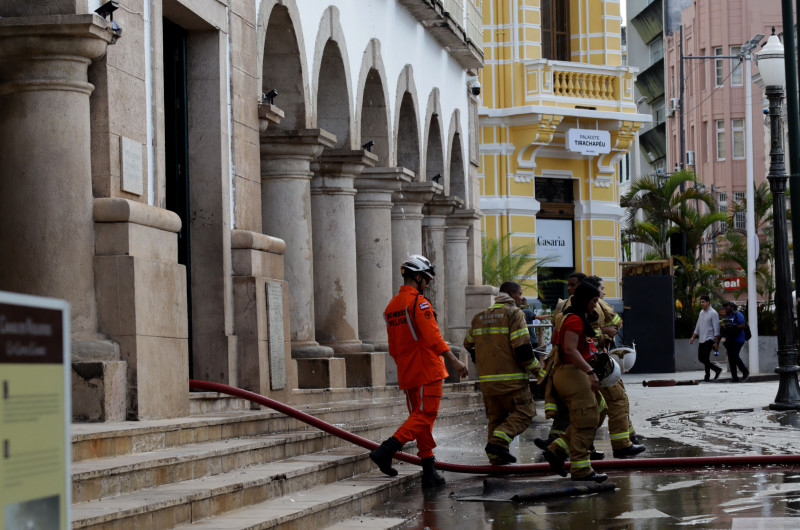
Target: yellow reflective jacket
{"x": 494, "y": 334}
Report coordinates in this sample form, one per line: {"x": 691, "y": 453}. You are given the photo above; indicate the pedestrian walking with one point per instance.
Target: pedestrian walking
{"x": 417, "y": 346}
{"x": 707, "y": 331}
{"x": 500, "y": 346}
{"x": 733, "y": 326}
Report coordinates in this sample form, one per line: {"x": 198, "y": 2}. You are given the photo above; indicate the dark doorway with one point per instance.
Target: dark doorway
{"x": 176, "y": 147}
{"x": 551, "y": 288}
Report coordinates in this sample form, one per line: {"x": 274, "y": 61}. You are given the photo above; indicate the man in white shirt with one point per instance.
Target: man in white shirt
{"x": 707, "y": 329}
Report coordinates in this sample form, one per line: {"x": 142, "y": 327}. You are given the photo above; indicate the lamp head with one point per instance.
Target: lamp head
{"x": 269, "y": 97}
{"x": 368, "y": 146}
{"x": 771, "y": 62}
{"x": 107, "y": 10}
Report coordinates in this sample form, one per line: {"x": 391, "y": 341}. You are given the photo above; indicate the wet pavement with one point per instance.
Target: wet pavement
{"x": 709, "y": 419}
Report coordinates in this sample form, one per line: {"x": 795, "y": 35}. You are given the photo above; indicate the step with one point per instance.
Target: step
{"x": 319, "y": 507}
{"x": 98, "y": 440}
{"x": 183, "y": 502}
{"x": 336, "y": 395}
{"x": 208, "y": 402}
{"x": 107, "y": 477}
{"x": 373, "y": 523}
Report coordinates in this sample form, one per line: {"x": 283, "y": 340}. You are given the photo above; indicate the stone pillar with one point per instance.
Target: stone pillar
{"x": 374, "y": 249}
{"x": 407, "y": 223}
{"x": 457, "y": 275}
{"x": 434, "y": 226}
{"x": 46, "y": 224}
{"x": 334, "y": 228}
{"x": 286, "y": 158}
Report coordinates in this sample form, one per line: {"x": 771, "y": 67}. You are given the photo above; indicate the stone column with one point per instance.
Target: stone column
{"x": 374, "y": 248}
{"x": 334, "y": 228}
{"x": 436, "y": 212}
{"x": 407, "y": 222}
{"x": 46, "y": 223}
{"x": 458, "y": 274}
{"x": 286, "y": 158}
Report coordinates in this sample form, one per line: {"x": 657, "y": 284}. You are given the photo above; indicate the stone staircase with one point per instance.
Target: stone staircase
{"x": 227, "y": 466}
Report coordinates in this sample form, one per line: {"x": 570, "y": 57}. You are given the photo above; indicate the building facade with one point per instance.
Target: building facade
{"x": 714, "y": 100}
{"x": 225, "y": 191}
{"x": 557, "y": 115}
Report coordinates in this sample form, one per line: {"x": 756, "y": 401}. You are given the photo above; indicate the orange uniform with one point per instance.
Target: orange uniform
{"x": 416, "y": 345}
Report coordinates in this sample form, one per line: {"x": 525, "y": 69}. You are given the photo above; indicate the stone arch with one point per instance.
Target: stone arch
{"x": 281, "y": 62}
{"x": 457, "y": 180}
{"x": 434, "y": 146}
{"x": 332, "y": 90}
{"x": 372, "y": 110}
{"x": 406, "y": 124}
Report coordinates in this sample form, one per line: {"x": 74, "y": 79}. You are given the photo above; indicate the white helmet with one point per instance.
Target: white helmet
{"x": 417, "y": 263}
{"x": 614, "y": 375}
{"x": 625, "y": 356}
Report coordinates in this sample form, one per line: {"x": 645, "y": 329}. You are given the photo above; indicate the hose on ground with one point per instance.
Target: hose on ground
{"x": 519, "y": 469}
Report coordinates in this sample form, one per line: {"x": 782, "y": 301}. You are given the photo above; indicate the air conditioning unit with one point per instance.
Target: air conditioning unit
{"x": 690, "y": 158}
{"x": 674, "y": 104}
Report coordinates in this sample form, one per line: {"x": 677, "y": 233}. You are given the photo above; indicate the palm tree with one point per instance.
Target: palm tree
{"x": 657, "y": 208}
{"x": 501, "y": 263}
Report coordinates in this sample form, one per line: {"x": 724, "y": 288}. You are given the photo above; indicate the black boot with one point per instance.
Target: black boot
{"x": 430, "y": 478}
{"x": 593, "y": 477}
{"x": 556, "y": 463}
{"x": 595, "y": 454}
{"x": 631, "y": 450}
{"x": 382, "y": 456}
{"x": 499, "y": 454}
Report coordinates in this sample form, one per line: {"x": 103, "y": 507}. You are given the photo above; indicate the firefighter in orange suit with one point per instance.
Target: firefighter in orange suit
{"x": 620, "y": 428}
{"x": 500, "y": 346}
{"x": 417, "y": 346}
{"x": 576, "y": 383}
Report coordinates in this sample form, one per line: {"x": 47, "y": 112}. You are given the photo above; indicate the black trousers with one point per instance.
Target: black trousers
{"x": 704, "y": 356}
{"x": 733, "y": 348}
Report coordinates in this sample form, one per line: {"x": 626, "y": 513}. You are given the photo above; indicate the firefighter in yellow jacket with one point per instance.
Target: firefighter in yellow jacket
{"x": 500, "y": 346}
{"x": 620, "y": 428}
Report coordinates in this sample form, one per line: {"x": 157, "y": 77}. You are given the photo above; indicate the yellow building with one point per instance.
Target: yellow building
{"x": 557, "y": 115}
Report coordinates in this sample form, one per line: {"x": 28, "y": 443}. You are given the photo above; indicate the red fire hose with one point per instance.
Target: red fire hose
{"x": 521, "y": 469}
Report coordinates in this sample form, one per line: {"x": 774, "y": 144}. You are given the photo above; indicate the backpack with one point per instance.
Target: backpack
{"x": 747, "y": 333}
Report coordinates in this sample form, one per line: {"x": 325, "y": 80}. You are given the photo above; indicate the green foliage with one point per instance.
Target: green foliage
{"x": 691, "y": 280}
{"x": 501, "y": 263}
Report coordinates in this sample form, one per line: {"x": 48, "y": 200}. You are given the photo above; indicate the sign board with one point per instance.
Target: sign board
{"x": 35, "y": 409}
{"x": 277, "y": 350}
{"x": 734, "y": 284}
{"x": 589, "y": 141}
{"x": 554, "y": 240}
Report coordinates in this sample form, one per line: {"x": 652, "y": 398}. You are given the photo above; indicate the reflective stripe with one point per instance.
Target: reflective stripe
{"x": 504, "y": 436}
{"x": 495, "y": 306}
{"x": 619, "y": 436}
{"x": 562, "y": 444}
{"x": 490, "y": 331}
{"x": 421, "y": 397}
{"x": 616, "y": 320}
{"x": 408, "y": 321}
{"x": 542, "y": 373}
{"x": 503, "y": 377}
{"x": 602, "y": 403}
{"x": 550, "y": 406}
{"x": 518, "y": 333}
{"x": 556, "y": 431}
{"x": 469, "y": 337}
{"x": 532, "y": 365}
{"x": 580, "y": 464}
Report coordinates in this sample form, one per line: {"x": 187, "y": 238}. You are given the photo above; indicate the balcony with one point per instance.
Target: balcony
{"x": 649, "y": 21}
{"x": 455, "y": 24}
{"x": 651, "y": 82}
{"x": 578, "y": 85}
{"x": 653, "y": 142}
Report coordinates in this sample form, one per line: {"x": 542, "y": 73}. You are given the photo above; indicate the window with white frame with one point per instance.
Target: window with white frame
{"x": 739, "y": 218}
{"x": 722, "y": 207}
{"x": 736, "y": 67}
{"x": 720, "y": 125}
{"x": 737, "y": 138}
{"x": 719, "y": 68}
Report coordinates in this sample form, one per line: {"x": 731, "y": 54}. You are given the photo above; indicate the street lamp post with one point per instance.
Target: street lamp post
{"x": 772, "y": 72}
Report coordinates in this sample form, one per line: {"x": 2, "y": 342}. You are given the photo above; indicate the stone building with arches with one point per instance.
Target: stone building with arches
{"x": 224, "y": 190}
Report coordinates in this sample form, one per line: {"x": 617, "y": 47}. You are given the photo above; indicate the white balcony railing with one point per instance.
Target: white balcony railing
{"x": 597, "y": 84}
{"x": 456, "y": 10}
{"x": 474, "y": 23}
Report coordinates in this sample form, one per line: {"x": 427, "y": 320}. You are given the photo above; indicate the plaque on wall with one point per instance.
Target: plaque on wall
{"x": 130, "y": 153}
{"x": 277, "y": 352}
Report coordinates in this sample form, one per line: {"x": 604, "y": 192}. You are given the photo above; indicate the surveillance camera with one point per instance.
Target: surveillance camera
{"x": 474, "y": 85}
{"x": 476, "y": 89}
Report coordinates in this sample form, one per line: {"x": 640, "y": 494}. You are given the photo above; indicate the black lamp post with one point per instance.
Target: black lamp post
{"x": 772, "y": 72}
